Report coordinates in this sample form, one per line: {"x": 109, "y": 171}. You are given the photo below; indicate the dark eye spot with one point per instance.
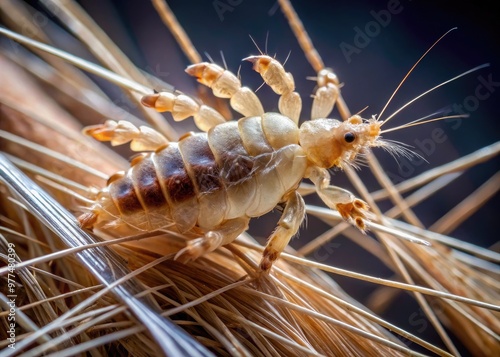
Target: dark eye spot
{"x": 349, "y": 137}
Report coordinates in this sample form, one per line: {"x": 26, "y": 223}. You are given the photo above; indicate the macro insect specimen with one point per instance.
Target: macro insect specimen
{"x": 236, "y": 170}
{"x": 217, "y": 177}
{"x": 212, "y": 183}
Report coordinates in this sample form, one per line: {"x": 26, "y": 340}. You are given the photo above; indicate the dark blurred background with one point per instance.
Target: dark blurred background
{"x": 371, "y": 45}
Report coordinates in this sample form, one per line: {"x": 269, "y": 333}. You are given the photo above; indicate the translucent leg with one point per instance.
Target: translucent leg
{"x": 182, "y": 106}
{"x": 288, "y": 225}
{"x": 281, "y": 82}
{"x": 224, "y": 234}
{"x": 141, "y": 139}
{"x": 225, "y": 84}
{"x": 349, "y": 207}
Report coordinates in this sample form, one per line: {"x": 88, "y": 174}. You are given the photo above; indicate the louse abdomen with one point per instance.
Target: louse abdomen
{"x": 235, "y": 170}
{"x": 172, "y": 185}
{"x": 156, "y": 191}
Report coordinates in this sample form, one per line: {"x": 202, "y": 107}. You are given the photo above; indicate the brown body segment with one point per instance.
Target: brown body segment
{"x": 177, "y": 186}
{"x": 200, "y": 163}
{"x": 124, "y": 196}
{"x": 173, "y": 181}
{"x": 147, "y": 184}
{"x": 172, "y": 174}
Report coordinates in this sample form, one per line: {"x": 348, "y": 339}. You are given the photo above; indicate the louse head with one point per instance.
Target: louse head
{"x": 333, "y": 143}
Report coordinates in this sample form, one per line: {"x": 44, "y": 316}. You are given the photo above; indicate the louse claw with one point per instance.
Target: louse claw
{"x": 355, "y": 211}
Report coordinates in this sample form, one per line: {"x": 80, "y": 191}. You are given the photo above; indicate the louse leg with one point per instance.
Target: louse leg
{"x": 141, "y": 139}
{"x": 225, "y": 84}
{"x": 350, "y": 208}
{"x": 224, "y": 234}
{"x": 288, "y": 225}
{"x": 182, "y": 106}
{"x": 326, "y": 95}
{"x": 281, "y": 82}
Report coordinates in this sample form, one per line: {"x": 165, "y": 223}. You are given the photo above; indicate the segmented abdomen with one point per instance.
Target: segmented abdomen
{"x": 237, "y": 169}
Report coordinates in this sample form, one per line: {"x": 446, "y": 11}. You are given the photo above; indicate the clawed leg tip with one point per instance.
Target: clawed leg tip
{"x": 360, "y": 223}
{"x": 187, "y": 254}
{"x": 182, "y": 256}
{"x": 355, "y": 212}
{"x": 267, "y": 261}
{"x": 251, "y": 58}
{"x": 149, "y": 100}
{"x": 264, "y": 268}
{"x": 359, "y": 204}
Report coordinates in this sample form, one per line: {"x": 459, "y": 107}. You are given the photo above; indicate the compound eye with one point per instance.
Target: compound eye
{"x": 349, "y": 137}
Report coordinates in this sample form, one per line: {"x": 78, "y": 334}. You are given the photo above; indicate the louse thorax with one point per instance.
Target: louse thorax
{"x": 330, "y": 142}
